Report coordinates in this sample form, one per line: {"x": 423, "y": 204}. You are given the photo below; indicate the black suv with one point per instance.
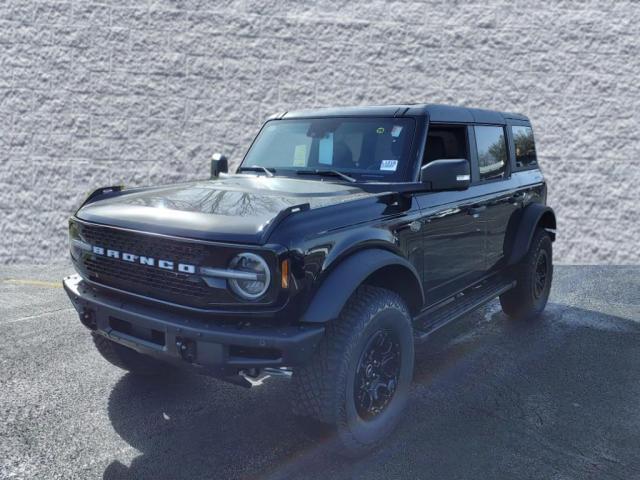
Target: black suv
{"x": 344, "y": 236}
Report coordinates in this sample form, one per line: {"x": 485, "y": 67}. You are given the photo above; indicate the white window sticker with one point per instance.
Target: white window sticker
{"x": 396, "y": 131}
{"x": 325, "y": 150}
{"x": 389, "y": 165}
{"x": 300, "y": 156}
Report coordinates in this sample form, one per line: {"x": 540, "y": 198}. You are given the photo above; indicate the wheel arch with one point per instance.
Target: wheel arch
{"x": 371, "y": 266}
{"x": 534, "y": 216}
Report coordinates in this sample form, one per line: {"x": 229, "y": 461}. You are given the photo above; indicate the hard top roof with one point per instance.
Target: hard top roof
{"x": 435, "y": 112}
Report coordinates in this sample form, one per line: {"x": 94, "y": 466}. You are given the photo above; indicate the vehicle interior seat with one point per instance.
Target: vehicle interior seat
{"x": 435, "y": 149}
{"x": 342, "y": 156}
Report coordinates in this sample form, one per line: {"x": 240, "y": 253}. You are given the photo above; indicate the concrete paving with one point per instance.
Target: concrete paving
{"x": 556, "y": 399}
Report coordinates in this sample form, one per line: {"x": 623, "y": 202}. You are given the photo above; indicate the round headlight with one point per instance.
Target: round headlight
{"x": 258, "y": 280}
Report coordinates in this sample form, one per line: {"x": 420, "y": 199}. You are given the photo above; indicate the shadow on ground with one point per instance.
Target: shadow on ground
{"x": 492, "y": 399}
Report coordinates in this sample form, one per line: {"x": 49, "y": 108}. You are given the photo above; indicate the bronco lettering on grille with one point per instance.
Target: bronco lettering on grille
{"x": 144, "y": 260}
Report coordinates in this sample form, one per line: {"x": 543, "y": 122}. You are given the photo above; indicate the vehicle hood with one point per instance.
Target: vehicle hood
{"x": 238, "y": 208}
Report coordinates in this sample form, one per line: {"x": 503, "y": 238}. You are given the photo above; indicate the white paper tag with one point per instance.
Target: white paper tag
{"x": 300, "y": 156}
{"x": 325, "y": 150}
{"x": 396, "y": 131}
{"x": 389, "y": 165}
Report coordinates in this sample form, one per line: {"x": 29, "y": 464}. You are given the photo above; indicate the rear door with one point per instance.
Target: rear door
{"x": 497, "y": 199}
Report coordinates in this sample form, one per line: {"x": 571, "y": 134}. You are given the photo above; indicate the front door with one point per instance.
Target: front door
{"x": 453, "y": 244}
{"x": 452, "y": 223}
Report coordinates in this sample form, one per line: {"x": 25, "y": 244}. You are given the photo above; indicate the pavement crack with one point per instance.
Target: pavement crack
{"x": 33, "y": 283}
{"x": 37, "y": 315}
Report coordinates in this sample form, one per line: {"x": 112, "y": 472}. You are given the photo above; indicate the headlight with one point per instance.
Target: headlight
{"x": 258, "y": 279}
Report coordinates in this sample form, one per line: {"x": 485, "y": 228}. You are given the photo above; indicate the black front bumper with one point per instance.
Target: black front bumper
{"x": 189, "y": 338}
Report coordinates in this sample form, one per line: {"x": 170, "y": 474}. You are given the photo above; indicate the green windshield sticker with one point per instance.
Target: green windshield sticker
{"x": 380, "y": 130}
{"x": 300, "y": 156}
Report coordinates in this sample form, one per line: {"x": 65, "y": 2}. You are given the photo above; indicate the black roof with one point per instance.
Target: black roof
{"x": 436, "y": 113}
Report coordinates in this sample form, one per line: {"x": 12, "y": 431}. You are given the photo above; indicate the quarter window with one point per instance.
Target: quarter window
{"x": 525, "y": 148}
{"x": 492, "y": 152}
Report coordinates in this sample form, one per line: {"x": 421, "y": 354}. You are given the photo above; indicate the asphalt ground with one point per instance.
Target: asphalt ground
{"x": 554, "y": 399}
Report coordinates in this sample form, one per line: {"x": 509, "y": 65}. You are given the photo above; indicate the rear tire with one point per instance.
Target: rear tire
{"x": 358, "y": 380}
{"x": 534, "y": 275}
{"x": 126, "y": 358}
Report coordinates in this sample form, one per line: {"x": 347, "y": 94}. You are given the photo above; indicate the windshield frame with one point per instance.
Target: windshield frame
{"x": 405, "y": 173}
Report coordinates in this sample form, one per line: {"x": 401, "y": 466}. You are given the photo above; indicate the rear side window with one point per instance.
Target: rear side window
{"x": 492, "y": 152}
{"x": 525, "y": 147}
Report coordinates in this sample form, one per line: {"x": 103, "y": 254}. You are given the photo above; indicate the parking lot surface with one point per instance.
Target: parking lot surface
{"x": 554, "y": 399}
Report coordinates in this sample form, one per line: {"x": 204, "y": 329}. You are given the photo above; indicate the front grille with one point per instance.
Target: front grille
{"x": 150, "y": 245}
{"x": 173, "y": 286}
{"x": 145, "y": 279}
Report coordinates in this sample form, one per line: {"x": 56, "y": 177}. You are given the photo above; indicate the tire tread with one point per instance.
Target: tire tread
{"x": 316, "y": 384}
{"x": 517, "y": 302}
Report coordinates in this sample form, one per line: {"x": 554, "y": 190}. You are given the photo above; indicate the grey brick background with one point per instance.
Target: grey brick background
{"x": 140, "y": 92}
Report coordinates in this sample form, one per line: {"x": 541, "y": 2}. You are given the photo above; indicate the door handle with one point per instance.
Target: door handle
{"x": 475, "y": 211}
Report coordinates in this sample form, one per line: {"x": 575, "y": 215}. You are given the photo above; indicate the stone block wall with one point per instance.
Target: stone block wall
{"x": 140, "y": 92}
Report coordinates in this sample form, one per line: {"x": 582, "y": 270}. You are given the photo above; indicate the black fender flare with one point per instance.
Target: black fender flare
{"x": 533, "y": 216}
{"x": 343, "y": 280}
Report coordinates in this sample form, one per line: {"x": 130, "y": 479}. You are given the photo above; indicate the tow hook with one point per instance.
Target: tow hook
{"x": 186, "y": 348}
{"x": 88, "y": 318}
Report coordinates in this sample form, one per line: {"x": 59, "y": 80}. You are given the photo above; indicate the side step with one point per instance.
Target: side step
{"x": 455, "y": 307}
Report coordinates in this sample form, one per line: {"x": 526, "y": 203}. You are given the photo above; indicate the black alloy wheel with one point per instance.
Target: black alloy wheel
{"x": 377, "y": 374}
{"x": 540, "y": 274}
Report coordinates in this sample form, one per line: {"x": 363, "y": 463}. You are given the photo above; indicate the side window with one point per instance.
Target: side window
{"x": 444, "y": 141}
{"x": 525, "y": 147}
{"x": 492, "y": 152}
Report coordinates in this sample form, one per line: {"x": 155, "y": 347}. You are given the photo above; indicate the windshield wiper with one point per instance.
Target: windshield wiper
{"x": 258, "y": 168}
{"x": 327, "y": 173}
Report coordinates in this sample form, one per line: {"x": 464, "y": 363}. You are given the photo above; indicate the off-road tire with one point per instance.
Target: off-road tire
{"x": 126, "y": 358}
{"x": 525, "y": 301}
{"x": 323, "y": 389}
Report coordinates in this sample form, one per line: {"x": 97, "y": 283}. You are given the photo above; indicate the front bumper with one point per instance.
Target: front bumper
{"x": 188, "y": 338}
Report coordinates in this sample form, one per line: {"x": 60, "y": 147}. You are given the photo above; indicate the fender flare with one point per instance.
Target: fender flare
{"x": 347, "y": 276}
{"x": 533, "y": 215}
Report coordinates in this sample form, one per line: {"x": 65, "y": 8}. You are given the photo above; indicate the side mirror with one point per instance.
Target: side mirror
{"x": 219, "y": 164}
{"x": 446, "y": 174}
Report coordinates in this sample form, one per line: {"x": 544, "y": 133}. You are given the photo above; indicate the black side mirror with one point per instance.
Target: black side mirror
{"x": 219, "y": 164}
{"x": 446, "y": 174}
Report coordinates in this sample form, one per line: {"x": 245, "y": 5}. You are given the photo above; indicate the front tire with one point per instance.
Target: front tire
{"x": 534, "y": 275}
{"x": 126, "y": 358}
{"x": 358, "y": 380}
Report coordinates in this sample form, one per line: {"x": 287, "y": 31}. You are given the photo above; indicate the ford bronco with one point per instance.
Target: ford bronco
{"x": 345, "y": 236}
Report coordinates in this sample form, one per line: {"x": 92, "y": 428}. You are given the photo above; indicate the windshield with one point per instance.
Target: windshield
{"x": 363, "y": 148}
